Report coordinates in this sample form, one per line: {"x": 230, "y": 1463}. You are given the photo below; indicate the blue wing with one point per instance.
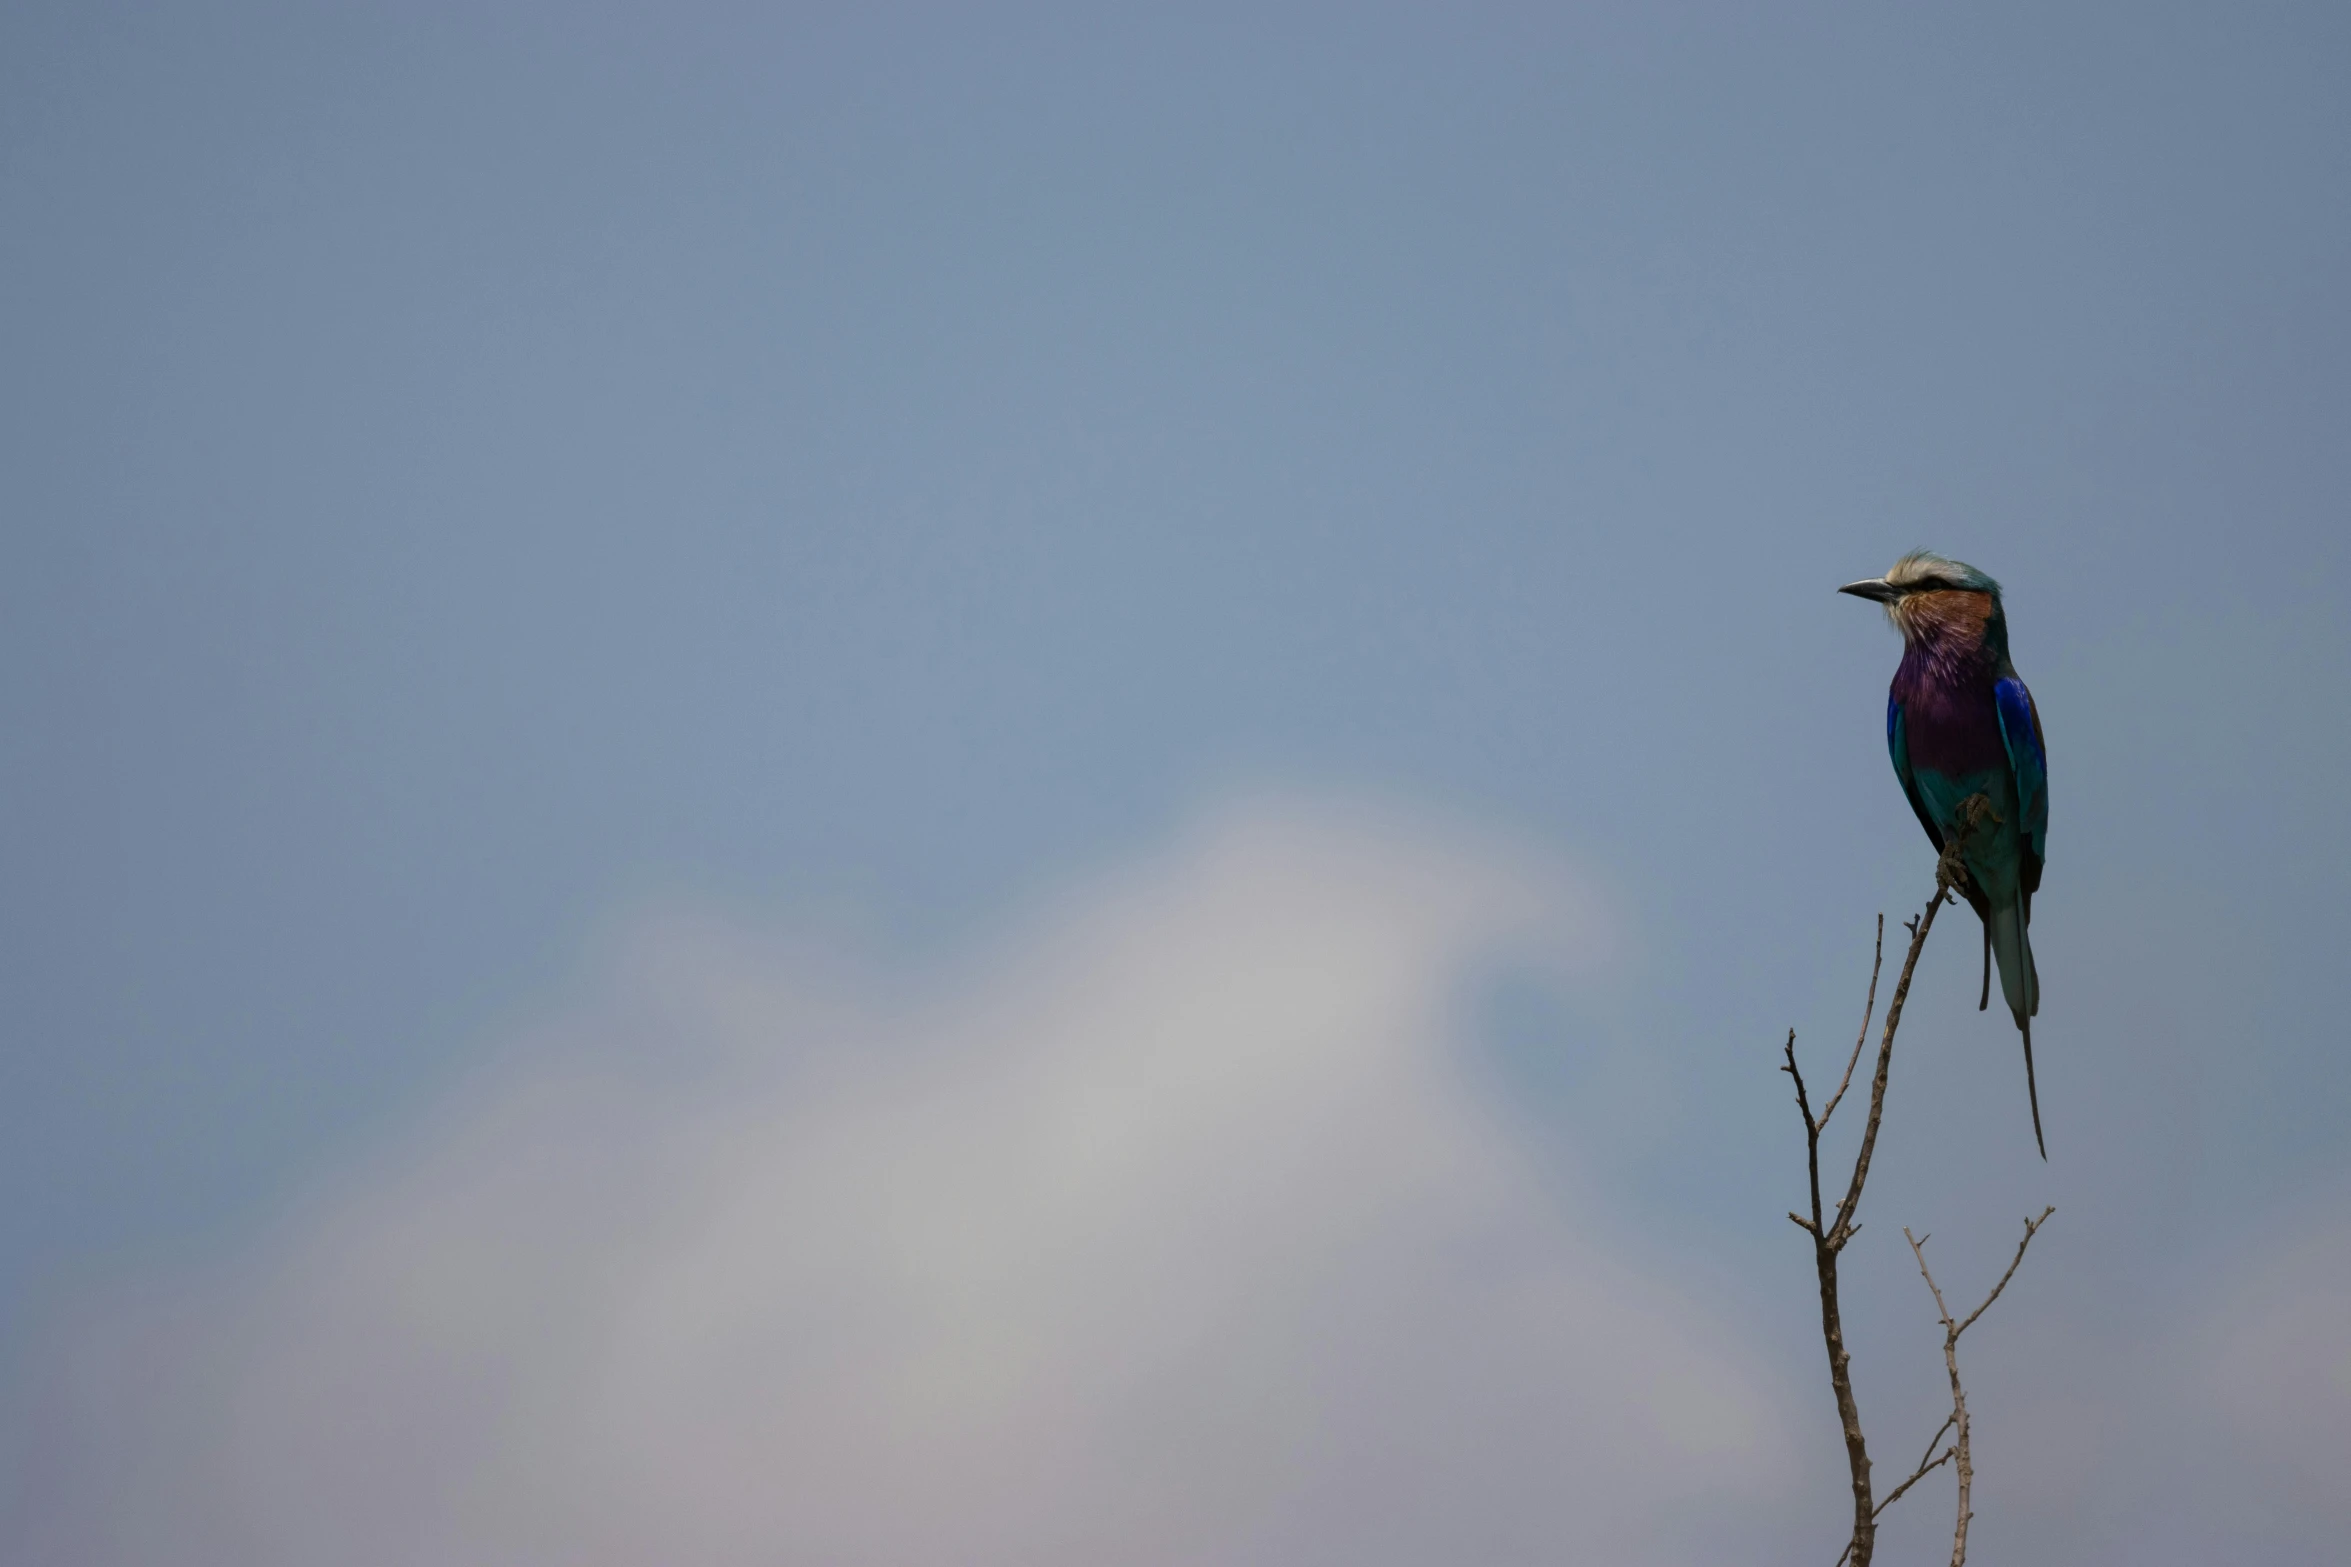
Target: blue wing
{"x": 2020, "y": 732}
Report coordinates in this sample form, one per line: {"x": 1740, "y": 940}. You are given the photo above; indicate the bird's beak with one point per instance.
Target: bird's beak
{"x": 1877, "y": 588}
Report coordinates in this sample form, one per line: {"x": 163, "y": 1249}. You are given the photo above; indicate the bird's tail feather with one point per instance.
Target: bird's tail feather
{"x": 2033, "y": 1094}
{"x": 2012, "y": 949}
{"x": 2020, "y": 987}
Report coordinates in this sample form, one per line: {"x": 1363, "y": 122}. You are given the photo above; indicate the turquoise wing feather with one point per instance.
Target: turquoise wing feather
{"x": 1898, "y": 747}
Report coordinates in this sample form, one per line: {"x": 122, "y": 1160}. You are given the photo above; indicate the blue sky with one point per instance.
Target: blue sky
{"x": 482, "y": 483}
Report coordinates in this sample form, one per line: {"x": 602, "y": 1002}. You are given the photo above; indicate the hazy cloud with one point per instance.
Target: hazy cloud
{"x": 1170, "y": 1230}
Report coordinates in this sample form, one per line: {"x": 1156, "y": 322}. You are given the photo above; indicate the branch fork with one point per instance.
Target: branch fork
{"x": 1833, "y": 1226}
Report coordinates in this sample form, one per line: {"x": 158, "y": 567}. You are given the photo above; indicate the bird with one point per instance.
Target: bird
{"x": 1960, "y": 724}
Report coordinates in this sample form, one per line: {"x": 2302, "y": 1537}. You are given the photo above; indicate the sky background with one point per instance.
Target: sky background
{"x": 1008, "y": 783}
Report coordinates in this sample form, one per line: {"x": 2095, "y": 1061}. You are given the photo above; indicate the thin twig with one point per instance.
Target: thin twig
{"x": 1928, "y": 1463}
{"x": 1919, "y": 927}
{"x": 2032, "y": 1227}
{"x": 1916, "y": 1475}
{"x": 1877, "y": 959}
{"x": 1811, "y": 1134}
{"x": 1957, "y": 1421}
{"x": 1829, "y": 1236}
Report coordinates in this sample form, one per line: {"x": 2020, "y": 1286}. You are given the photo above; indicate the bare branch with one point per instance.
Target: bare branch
{"x": 1829, "y": 1236}
{"x": 1928, "y": 1463}
{"x": 1923, "y": 1465}
{"x": 1920, "y": 1473}
{"x": 1811, "y": 1130}
{"x": 1832, "y": 1228}
{"x": 1957, "y": 1421}
{"x": 1877, "y": 961}
{"x": 1919, "y": 929}
{"x": 2032, "y": 1227}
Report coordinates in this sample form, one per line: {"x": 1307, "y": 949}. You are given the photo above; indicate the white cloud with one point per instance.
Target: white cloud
{"x": 1172, "y": 1231}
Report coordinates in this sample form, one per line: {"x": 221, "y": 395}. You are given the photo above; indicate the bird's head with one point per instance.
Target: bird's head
{"x": 1905, "y": 586}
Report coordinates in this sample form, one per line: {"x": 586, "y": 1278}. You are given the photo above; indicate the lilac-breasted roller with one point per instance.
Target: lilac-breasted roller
{"x": 1960, "y": 724}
